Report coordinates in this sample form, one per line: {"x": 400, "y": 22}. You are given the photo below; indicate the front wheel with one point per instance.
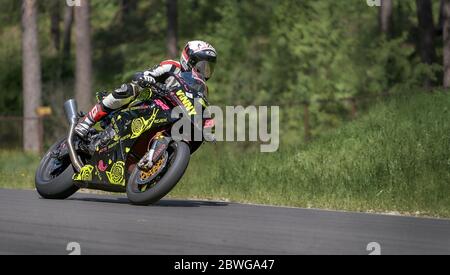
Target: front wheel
{"x": 53, "y": 178}
{"x": 145, "y": 188}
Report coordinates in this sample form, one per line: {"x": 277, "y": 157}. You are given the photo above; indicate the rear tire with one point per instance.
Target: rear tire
{"x": 175, "y": 170}
{"x": 57, "y": 187}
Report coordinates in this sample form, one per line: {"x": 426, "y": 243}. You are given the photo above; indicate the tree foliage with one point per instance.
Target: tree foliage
{"x": 270, "y": 52}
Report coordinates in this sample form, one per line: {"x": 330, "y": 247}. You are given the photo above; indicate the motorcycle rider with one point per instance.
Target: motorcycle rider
{"x": 197, "y": 56}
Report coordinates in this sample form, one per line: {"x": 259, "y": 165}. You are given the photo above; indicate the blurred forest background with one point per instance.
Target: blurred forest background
{"x": 270, "y": 53}
{"x": 374, "y": 135}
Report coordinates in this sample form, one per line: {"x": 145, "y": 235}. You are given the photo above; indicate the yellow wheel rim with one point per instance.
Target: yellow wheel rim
{"x": 145, "y": 175}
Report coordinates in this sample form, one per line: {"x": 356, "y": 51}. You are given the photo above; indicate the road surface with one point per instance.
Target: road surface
{"x": 110, "y": 225}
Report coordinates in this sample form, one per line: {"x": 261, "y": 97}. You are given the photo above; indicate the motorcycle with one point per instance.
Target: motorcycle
{"x": 132, "y": 151}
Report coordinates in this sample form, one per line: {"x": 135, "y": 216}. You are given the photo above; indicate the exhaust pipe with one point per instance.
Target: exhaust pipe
{"x": 70, "y": 108}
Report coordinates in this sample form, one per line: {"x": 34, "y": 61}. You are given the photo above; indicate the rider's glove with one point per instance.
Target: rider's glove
{"x": 144, "y": 80}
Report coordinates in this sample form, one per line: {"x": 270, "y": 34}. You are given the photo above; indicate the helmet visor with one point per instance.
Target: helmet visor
{"x": 205, "y": 68}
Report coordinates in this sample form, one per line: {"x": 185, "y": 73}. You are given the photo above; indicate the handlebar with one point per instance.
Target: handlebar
{"x": 160, "y": 89}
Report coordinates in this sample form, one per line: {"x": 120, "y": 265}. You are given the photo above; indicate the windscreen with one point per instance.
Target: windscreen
{"x": 196, "y": 85}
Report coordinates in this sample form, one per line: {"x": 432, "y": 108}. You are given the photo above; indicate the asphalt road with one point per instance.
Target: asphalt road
{"x": 109, "y": 225}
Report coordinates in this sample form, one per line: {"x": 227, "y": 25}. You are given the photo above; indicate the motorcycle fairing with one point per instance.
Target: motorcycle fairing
{"x": 107, "y": 166}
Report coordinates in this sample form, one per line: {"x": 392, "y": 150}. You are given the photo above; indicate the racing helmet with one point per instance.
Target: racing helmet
{"x": 199, "y": 56}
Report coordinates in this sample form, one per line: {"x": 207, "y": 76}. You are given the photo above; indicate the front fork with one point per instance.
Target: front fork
{"x": 157, "y": 149}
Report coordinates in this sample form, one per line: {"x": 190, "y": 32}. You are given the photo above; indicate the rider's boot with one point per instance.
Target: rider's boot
{"x": 94, "y": 116}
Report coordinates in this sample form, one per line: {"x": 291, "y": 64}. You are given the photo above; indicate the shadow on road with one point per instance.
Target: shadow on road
{"x": 162, "y": 203}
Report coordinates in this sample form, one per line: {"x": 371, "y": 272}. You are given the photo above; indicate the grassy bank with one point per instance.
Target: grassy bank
{"x": 395, "y": 158}
{"x": 17, "y": 169}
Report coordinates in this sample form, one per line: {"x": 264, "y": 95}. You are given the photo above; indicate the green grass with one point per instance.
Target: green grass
{"x": 17, "y": 169}
{"x": 395, "y": 158}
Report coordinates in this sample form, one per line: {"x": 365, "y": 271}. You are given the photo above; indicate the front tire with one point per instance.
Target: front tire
{"x": 176, "y": 167}
{"x": 57, "y": 185}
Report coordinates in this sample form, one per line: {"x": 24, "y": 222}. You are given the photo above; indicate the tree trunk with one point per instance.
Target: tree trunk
{"x": 426, "y": 34}
{"x": 127, "y": 8}
{"x": 67, "y": 32}
{"x": 440, "y": 26}
{"x": 172, "y": 28}
{"x": 31, "y": 70}
{"x": 55, "y": 19}
{"x": 83, "y": 74}
{"x": 386, "y": 17}
{"x": 446, "y": 47}
{"x": 426, "y": 31}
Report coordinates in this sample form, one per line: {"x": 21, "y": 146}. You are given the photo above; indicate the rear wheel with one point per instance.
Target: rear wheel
{"x": 147, "y": 187}
{"x": 53, "y": 177}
